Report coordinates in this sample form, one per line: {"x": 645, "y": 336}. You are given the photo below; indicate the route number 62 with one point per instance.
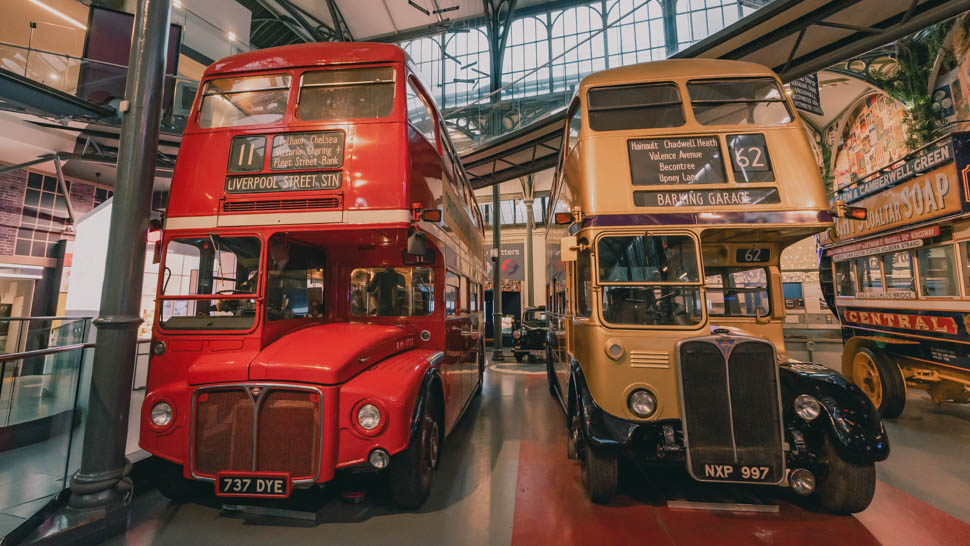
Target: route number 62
{"x": 750, "y": 157}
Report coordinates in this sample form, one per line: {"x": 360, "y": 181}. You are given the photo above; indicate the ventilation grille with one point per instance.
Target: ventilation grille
{"x": 647, "y": 359}
{"x": 282, "y": 204}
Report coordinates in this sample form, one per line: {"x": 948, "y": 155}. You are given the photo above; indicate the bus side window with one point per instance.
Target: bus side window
{"x": 845, "y": 278}
{"x": 451, "y": 293}
{"x": 420, "y": 114}
{"x": 966, "y": 267}
{"x": 584, "y": 281}
{"x": 575, "y": 124}
{"x": 463, "y": 294}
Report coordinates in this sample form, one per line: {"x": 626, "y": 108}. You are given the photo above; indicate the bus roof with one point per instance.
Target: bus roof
{"x": 313, "y": 54}
{"x": 674, "y": 69}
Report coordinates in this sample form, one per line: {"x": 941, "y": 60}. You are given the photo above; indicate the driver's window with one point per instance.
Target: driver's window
{"x": 294, "y": 280}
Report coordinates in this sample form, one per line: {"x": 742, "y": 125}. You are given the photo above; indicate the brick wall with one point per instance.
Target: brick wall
{"x": 12, "y": 187}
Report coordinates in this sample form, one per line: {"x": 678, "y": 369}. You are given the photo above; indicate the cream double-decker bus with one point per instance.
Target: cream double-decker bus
{"x": 679, "y": 184}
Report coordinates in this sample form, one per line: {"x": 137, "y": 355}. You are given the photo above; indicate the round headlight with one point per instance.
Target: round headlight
{"x": 161, "y": 414}
{"x": 516, "y": 334}
{"x": 807, "y": 407}
{"x": 158, "y": 348}
{"x": 614, "y": 350}
{"x": 368, "y": 417}
{"x": 642, "y": 403}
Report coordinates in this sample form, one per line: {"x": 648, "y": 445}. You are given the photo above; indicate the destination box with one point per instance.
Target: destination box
{"x": 262, "y": 183}
{"x": 706, "y": 198}
{"x": 666, "y": 161}
{"x": 303, "y": 151}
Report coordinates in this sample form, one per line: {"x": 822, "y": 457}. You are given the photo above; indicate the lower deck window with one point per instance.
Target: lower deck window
{"x": 213, "y": 265}
{"x": 391, "y": 291}
{"x": 937, "y": 271}
{"x": 651, "y": 305}
{"x": 845, "y": 278}
{"x": 737, "y": 291}
{"x": 294, "y": 280}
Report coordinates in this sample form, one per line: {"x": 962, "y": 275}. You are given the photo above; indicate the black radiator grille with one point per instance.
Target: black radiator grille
{"x": 731, "y": 410}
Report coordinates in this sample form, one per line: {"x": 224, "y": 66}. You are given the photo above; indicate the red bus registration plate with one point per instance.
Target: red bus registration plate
{"x": 263, "y": 484}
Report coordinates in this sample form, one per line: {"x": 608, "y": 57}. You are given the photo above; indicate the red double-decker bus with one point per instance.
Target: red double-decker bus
{"x": 320, "y": 295}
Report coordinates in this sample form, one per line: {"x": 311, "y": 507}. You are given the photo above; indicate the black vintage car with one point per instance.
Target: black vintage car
{"x": 529, "y": 339}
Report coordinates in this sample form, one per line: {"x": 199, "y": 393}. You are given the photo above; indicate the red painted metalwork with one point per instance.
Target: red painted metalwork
{"x": 281, "y": 394}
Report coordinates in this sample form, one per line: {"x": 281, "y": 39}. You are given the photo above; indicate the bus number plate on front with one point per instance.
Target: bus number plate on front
{"x": 738, "y": 473}
{"x": 253, "y": 485}
{"x": 752, "y": 255}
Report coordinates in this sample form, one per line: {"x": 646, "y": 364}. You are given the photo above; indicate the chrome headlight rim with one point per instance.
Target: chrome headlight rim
{"x": 807, "y": 407}
{"x": 645, "y": 400}
{"x": 162, "y": 414}
{"x": 363, "y": 415}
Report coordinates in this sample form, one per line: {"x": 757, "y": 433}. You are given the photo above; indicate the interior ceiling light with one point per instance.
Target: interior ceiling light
{"x": 59, "y": 13}
{"x": 232, "y": 36}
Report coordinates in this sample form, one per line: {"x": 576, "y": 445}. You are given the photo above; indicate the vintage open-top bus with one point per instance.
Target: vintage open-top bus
{"x": 679, "y": 185}
{"x": 320, "y": 302}
{"x": 900, "y": 280}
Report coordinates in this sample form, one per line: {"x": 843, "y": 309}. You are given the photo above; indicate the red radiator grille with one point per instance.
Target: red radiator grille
{"x": 282, "y": 204}
{"x": 223, "y": 431}
{"x": 287, "y": 436}
{"x": 289, "y": 425}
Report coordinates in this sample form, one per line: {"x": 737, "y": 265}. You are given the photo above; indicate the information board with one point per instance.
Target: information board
{"x": 805, "y": 94}
{"x": 260, "y": 183}
{"x": 706, "y": 198}
{"x": 665, "y": 161}
{"x": 317, "y": 150}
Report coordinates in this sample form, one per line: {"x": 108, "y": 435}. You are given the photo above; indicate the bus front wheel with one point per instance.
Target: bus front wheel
{"x": 411, "y": 470}
{"x": 600, "y": 473}
{"x": 846, "y": 487}
{"x": 881, "y": 380}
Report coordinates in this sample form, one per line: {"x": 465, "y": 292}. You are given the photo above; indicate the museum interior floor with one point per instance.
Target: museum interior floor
{"x": 504, "y": 479}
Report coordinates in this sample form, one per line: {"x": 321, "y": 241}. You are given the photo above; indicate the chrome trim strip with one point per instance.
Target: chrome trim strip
{"x": 683, "y": 410}
{"x": 266, "y": 388}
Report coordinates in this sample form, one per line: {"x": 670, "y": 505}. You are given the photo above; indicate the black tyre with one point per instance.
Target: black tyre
{"x": 519, "y": 357}
{"x": 551, "y": 374}
{"x": 411, "y": 470}
{"x": 574, "y": 439}
{"x": 846, "y": 487}
{"x": 169, "y": 481}
{"x": 881, "y": 380}
{"x": 481, "y": 369}
{"x": 600, "y": 472}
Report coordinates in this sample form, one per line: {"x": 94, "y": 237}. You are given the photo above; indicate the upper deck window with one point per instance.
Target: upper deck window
{"x": 755, "y": 101}
{"x": 246, "y": 100}
{"x": 640, "y": 106}
{"x": 347, "y": 93}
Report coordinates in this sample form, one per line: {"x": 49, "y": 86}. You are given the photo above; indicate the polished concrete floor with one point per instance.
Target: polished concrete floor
{"x": 504, "y": 479}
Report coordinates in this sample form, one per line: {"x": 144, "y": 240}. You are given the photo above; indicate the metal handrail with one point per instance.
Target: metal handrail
{"x": 45, "y": 352}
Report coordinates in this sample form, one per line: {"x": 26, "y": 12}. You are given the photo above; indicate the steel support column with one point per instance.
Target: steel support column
{"x": 528, "y": 198}
{"x": 496, "y": 258}
{"x": 498, "y": 18}
{"x": 102, "y": 480}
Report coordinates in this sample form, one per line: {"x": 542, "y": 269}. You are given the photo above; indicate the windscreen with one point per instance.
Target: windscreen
{"x": 220, "y": 266}
{"x": 754, "y": 101}
{"x": 354, "y": 93}
{"x": 247, "y": 100}
{"x": 391, "y": 291}
{"x": 630, "y": 265}
{"x": 737, "y": 291}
